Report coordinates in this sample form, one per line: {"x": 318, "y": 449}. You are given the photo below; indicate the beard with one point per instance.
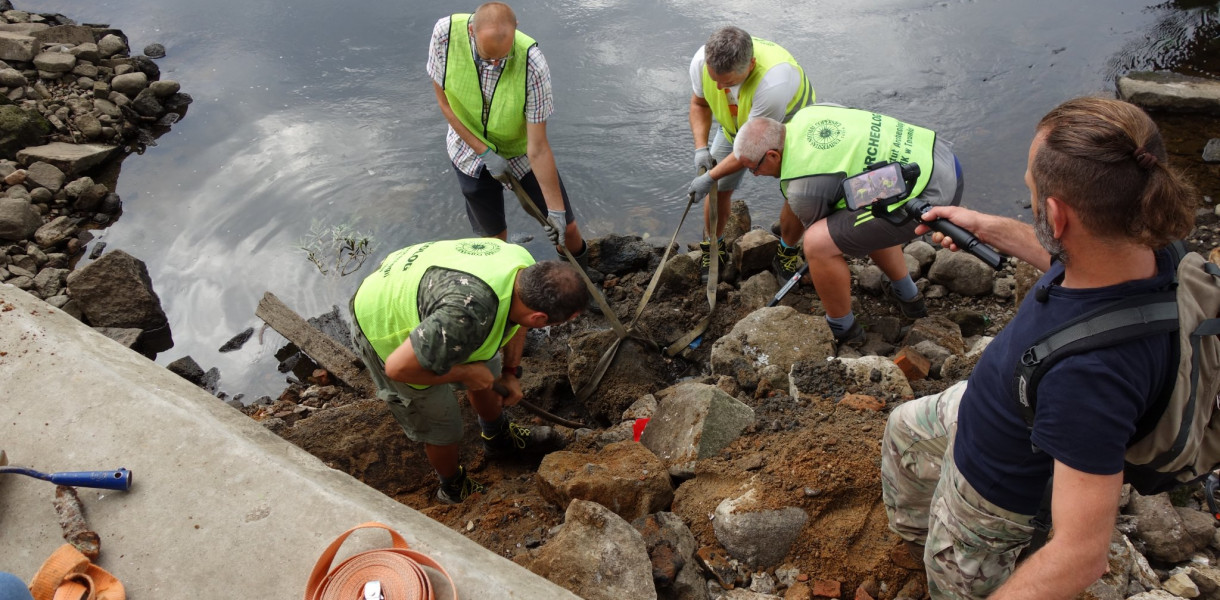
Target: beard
{"x": 1046, "y": 237}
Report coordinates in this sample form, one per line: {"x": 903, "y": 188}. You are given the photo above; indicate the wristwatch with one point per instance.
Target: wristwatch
{"x": 516, "y": 371}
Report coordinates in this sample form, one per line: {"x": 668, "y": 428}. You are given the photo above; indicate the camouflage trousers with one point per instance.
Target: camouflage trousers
{"x": 970, "y": 545}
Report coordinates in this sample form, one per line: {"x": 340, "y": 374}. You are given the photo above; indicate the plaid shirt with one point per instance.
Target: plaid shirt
{"x": 539, "y": 102}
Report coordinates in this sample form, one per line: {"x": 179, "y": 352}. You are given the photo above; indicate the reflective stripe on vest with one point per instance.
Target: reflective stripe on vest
{"x": 387, "y": 303}
{"x": 822, "y": 140}
{"x": 504, "y": 128}
{"x": 766, "y": 55}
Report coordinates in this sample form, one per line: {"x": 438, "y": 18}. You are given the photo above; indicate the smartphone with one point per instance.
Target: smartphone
{"x": 883, "y": 183}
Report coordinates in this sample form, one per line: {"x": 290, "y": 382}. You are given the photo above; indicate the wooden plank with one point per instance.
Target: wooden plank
{"x": 328, "y": 353}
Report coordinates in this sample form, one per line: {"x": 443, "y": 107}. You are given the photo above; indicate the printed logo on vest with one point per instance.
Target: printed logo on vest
{"x": 824, "y": 134}
{"x": 477, "y": 248}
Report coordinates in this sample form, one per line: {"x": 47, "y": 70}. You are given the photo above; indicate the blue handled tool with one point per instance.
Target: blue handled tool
{"x": 118, "y": 479}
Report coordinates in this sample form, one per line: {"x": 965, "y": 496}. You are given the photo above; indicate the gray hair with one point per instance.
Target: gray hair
{"x": 756, "y": 137}
{"x": 729, "y": 50}
{"x": 554, "y": 288}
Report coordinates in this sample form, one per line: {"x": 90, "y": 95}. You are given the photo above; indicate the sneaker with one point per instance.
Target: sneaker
{"x": 786, "y": 263}
{"x": 911, "y": 309}
{"x": 459, "y": 489}
{"x": 705, "y": 265}
{"x": 515, "y": 439}
{"x": 853, "y": 337}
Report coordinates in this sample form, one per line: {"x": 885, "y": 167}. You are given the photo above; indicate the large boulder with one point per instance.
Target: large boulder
{"x": 597, "y": 555}
{"x": 55, "y": 62}
{"x": 72, "y": 159}
{"x": 20, "y": 128}
{"x": 622, "y": 254}
{"x": 116, "y": 291}
{"x": 45, "y": 175}
{"x": 17, "y": 47}
{"x": 635, "y": 373}
{"x": 1162, "y": 90}
{"x": 754, "y": 533}
{"x": 671, "y": 547}
{"x": 754, "y": 251}
{"x": 694, "y": 421}
{"x": 1169, "y": 533}
{"x": 624, "y": 477}
{"x": 962, "y": 273}
{"x": 18, "y": 219}
{"x": 777, "y": 335}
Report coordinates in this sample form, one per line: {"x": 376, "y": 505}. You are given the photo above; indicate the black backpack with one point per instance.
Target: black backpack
{"x": 1178, "y": 441}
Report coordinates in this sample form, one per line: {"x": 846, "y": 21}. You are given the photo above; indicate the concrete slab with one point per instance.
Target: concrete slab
{"x": 219, "y": 507}
{"x": 1164, "y": 90}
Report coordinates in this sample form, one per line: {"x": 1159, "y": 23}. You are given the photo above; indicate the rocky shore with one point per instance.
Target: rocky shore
{"x": 756, "y": 475}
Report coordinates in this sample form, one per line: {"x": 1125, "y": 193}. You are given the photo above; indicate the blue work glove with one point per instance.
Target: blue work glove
{"x": 701, "y": 185}
{"x": 703, "y": 159}
{"x": 496, "y": 165}
{"x": 556, "y": 233}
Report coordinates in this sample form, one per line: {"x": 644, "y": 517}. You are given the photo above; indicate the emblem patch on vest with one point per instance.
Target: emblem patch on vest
{"x": 824, "y": 134}
{"x": 477, "y": 248}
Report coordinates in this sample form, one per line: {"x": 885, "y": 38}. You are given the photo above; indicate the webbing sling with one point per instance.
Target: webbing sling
{"x": 713, "y": 276}
{"x": 398, "y": 569}
{"x": 68, "y": 575}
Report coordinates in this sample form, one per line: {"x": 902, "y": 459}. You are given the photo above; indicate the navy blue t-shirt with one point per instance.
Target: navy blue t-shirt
{"x": 1088, "y": 404}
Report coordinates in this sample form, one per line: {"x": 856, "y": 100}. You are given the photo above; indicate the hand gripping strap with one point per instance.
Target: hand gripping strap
{"x": 397, "y": 568}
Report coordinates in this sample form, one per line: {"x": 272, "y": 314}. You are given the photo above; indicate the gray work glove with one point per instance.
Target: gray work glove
{"x": 556, "y": 233}
{"x": 703, "y": 159}
{"x": 701, "y": 185}
{"x": 496, "y": 165}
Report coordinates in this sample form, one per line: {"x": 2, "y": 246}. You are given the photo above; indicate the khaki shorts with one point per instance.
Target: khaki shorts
{"x": 432, "y": 415}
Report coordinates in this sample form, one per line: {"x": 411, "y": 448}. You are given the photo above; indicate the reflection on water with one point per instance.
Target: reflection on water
{"x": 321, "y": 112}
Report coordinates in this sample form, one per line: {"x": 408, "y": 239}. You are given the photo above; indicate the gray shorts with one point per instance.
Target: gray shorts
{"x": 721, "y": 148}
{"x": 432, "y": 415}
{"x": 860, "y": 238}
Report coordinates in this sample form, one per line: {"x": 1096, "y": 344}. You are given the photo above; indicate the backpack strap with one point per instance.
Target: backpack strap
{"x": 1110, "y": 325}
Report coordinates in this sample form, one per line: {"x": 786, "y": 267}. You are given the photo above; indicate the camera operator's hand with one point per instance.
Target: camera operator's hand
{"x": 703, "y": 159}
{"x": 701, "y": 185}
{"x": 962, "y": 217}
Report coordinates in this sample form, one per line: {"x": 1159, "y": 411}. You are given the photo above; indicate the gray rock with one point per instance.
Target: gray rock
{"x": 1211, "y": 152}
{"x": 1162, "y": 90}
{"x": 79, "y": 186}
{"x": 870, "y": 278}
{"x": 20, "y": 128}
{"x": 922, "y": 251}
{"x": 146, "y": 104}
{"x": 1181, "y": 585}
{"x": 154, "y": 51}
{"x": 624, "y": 477}
{"x": 12, "y": 78}
{"x": 17, "y": 47}
{"x": 694, "y": 421}
{"x": 754, "y": 535}
{"x": 45, "y": 175}
{"x": 22, "y": 282}
{"x": 110, "y": 45}
{"x": 1154, "y": 595}
{"x": 87, "y": 51}
{"x": 621, "y": 254}
{"x": 679, "y": 275}
{"x": 597, "y": 555}
{"x": 777, "y": 335}
{"x": 188, "y": 369}
{"x": 644, "y": 408}
{"x": 50, "y": 282}
{"x": 72, "y": 159}
{"x": 1160, "y": 527}
{"x": 671, "y": 546}
{"x": 89, "y": 126}
{"x": 744, "y": 594}
{"x": 754, "y": 251}
{"x": 129, "y": 84}
{"x": 757, "y": 291}
{"x": 57, "y": 231}
{"x": 146, "y": 66}
{"x": 71, "y": 35}
{"x": 115, "y": 291}
{"x": 934, "y": 353}
{"x": 164, "y": 88}
{"x": 962, "y": 273}
{"x": 127, "y": 336}
{"x": 939, "y": 330}
{"x": 738, "y": 222}
{"x": 55, "y": 62}
{"x": 18, "y": 219}
{"x": 863, "y": 370}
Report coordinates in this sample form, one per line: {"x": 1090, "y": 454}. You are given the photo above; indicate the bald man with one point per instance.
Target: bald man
{"x": 494, "y": 87}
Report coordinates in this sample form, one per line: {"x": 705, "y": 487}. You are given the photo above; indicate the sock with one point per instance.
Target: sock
{"x": 493, "y": 428}
{"x": 905, "y": 288}
{"x": 785, "y": 245}
{"x": 840, "y": 325}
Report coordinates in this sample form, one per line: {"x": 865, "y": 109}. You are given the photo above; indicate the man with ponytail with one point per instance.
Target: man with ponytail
{"x": 962, "y": 473}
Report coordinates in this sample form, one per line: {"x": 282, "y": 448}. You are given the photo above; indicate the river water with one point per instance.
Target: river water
{"x": 317, "y": 114}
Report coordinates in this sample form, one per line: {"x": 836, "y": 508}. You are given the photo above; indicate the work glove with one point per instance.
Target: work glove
{"x": 556, "y": 233}
{"x": 701, "y": 185}
{"x": 496, "y": 165}
{"x": 703, "y": 159}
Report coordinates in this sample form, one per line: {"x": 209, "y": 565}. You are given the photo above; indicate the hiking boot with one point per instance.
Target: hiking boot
{"x": 786, "y": 263}
{"x": 705, "y": 264}
{"x": 911, "y": 309}
{"x": 514, "y": 439}
{"x": 852, "y": 338}
{"x": 459, "y": 489}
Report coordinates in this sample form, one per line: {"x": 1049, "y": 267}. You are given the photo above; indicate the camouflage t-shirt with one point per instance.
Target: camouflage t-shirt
{"x": 457, "y": 312}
